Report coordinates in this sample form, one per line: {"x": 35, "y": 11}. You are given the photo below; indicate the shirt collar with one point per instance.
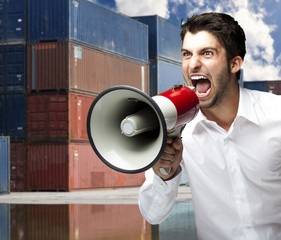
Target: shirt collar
{"x": 245, "y": 109}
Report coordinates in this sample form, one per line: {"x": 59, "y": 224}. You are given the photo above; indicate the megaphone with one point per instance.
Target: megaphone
{"x": 128, "y": 129}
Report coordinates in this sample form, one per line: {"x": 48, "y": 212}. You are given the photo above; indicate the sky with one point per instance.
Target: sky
{"x": 260, "y": 19}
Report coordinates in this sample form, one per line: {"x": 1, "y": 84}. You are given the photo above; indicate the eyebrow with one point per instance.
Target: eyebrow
{"x": 202, "y": 50}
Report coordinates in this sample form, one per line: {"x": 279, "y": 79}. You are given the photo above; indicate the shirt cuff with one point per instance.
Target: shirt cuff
{"x": 167, "y": 186}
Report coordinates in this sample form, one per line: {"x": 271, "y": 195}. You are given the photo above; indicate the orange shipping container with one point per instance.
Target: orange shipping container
{"x": 72, "y": 166}
{"x": 57, "y": 116}
{"x": 70, "y": 66}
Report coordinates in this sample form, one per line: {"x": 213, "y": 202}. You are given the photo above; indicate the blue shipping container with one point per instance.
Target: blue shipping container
{"x": 13, "y": 116}
{"x": 163, "y": 75}
{"x": 13, "y": 68}
{"x": 12, "y": 21}
{"x": 4, "y": 165}
{"x": 257, "y": 85}
{"x": 164, "y": 38}
{"x": 87, "y": 23}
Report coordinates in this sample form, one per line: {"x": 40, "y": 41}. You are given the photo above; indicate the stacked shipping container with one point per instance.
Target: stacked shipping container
{"x": 73, "y": 50}
{"x": 75, "y": 67}
{"x": 13, "y": 85}
{"x": 164, "y": 53}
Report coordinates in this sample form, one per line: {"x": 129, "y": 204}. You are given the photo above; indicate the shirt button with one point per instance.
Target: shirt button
{"x": 234, "y": 169}
{"x": 155, "y": 205}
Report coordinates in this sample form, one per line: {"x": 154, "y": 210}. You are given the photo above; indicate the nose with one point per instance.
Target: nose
{"x": 195, "y": 63}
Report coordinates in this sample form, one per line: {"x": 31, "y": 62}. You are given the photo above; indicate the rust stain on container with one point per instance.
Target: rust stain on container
{"x": 72, "y": 166}
{"x": 70, "y": 66}
{"x": 57, "y": 116}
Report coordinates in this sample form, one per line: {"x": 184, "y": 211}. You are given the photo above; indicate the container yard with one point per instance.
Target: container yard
{"x": 54, "y": 62}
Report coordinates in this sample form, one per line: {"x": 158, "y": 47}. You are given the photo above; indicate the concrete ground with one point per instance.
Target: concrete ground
{"x": 103, "y": 196}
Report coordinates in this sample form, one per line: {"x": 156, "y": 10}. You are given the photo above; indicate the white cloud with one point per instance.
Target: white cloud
{"x": 259, "y": 62}
{"x": 143, "y": 7}
{"x": 255, "y": 70}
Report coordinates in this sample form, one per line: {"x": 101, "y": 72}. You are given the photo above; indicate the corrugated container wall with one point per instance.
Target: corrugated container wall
{"x": 13, "y": 116}
{"x": 70, "y": 66}
{"x": 4, "y": 165}
{"x": 18, "y": 166}
{"x": 12, "y": 21}
{"x": 88, "y": 23}
{"x": 13, "y": 68}
{"x": 163, "y": 75}
{"x": 257, "y": 85}
{"x": 71, "y": 166}
{"x": 164, "y": 38}
{"x": 57, "y": 116}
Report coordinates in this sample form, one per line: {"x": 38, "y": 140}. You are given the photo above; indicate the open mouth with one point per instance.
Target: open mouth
{"x": 202, "y": 85}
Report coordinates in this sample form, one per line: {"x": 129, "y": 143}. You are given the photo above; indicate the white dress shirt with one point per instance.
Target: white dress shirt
{"x": 235, "y": 175}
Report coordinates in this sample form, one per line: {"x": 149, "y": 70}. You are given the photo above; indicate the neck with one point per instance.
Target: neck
{"x": 225, "y": 112}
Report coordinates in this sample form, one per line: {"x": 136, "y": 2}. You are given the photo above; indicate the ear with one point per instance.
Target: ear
{"x": 236, "y": 64}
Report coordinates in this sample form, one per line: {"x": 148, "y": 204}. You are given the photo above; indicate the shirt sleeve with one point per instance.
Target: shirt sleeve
{"x": 157, "y": 197}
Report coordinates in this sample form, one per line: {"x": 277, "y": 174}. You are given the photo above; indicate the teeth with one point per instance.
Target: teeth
{"x": 198, "y": 77}
{"x": 203, "y": 94}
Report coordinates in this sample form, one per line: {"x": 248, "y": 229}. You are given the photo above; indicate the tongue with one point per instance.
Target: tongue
{"x": 202, "y": 86}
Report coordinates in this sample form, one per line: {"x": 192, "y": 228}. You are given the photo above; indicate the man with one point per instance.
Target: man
{"x": 231, "y": 152}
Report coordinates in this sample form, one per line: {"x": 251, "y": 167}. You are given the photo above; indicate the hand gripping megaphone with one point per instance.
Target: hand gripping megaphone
{"x": 128, "y": 129}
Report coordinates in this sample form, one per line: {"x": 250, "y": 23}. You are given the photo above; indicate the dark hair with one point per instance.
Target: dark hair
{"x": 224, "y": 27}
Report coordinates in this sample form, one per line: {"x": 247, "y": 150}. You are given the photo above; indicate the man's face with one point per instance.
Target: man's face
{"x": 205, "y": 66}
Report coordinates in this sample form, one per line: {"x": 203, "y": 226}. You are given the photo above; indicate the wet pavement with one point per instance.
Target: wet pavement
{"x": 96, "y": 214}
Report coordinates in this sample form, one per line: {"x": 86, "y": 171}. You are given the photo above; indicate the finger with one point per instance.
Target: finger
{"x": 169, "y": 149}
{"x": 168, "y": 156}
{"x": 177, "y": 144}
{"x": 169, "y": 140}
{"x": 163, "y": 163}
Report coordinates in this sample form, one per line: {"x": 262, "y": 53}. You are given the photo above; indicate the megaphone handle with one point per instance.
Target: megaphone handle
{"x": 173, "y": 133}
{"x": 165, "y": 171}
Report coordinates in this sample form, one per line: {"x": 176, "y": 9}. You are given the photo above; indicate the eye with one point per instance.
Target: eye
{"x": 185, "y": 54}
{"x": 208, "y": 53}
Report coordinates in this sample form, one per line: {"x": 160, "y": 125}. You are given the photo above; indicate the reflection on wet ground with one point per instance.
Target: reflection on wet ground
{"x": 92, "y": 221}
